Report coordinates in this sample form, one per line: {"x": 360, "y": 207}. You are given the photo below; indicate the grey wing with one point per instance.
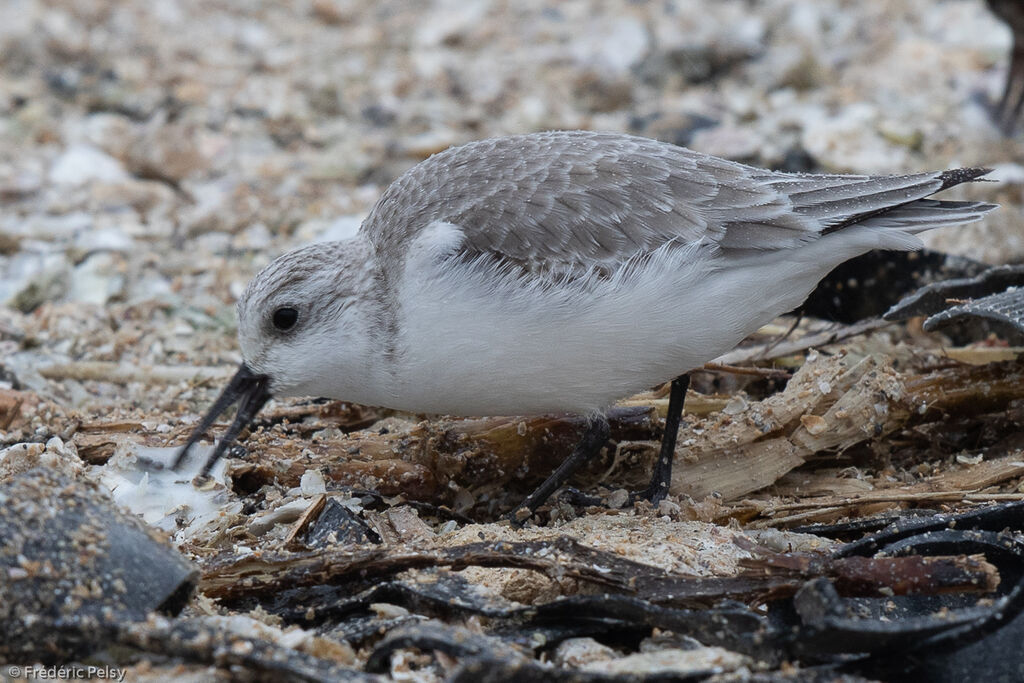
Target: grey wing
{"x": 570, "y": 200}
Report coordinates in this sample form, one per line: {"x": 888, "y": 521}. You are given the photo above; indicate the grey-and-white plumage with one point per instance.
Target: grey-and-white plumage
{"x": 560, "y": 271}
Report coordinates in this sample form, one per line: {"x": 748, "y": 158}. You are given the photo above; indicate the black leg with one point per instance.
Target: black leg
{"x": 1013, "y": 97}
{"x": 594, "y": 439}
{"x": 662, "y": 475}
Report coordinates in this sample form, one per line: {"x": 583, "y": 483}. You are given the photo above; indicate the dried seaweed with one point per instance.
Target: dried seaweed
{"x": 1003, "y": 311}
{"x": 921, "y": 634}
{"x": 815, "y": 625}
{"x": 207, "y": 642}
{"x": 970, "y": 308}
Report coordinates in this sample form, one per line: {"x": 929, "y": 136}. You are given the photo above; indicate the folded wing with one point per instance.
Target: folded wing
{"x": 576, "y": 201}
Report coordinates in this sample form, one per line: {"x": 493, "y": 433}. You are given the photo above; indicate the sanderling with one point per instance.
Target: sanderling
{"x": 558, "y": 272}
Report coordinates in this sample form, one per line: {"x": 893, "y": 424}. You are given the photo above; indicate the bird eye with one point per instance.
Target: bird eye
{"x": 285, "y": 318}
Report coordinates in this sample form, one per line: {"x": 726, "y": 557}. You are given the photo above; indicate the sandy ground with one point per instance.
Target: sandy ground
{"x": 154, "y": 156}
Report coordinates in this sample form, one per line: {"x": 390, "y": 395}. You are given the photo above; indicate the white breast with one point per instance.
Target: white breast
{"x": 475, "y": 341}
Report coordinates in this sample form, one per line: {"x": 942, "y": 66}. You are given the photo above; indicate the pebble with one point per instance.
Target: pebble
{"x": 81, "y": 164}
{"x": 670, "y": 660}
{"x": 97, "y": 279}
{"x": 578, "y": 652}
{"x": 312, "y": 483}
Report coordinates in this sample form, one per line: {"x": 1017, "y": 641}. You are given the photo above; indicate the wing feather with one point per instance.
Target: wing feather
{"x": 574, "y": 201}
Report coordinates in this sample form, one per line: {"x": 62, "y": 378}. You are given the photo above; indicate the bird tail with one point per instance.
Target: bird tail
{"x": 921, "y": 214}
{"x": 925, "y": 214}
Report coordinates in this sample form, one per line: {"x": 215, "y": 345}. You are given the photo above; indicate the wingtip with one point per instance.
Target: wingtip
{"x": 957, "y": 176}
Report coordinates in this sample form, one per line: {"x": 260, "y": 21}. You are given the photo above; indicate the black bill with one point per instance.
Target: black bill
{"x": 253, "y": 391}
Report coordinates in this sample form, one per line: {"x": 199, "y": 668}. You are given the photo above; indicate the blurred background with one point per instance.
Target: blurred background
{"x": 155, "y": 155}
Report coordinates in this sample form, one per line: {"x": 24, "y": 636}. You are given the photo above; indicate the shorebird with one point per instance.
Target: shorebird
{"x": 558, "y": 272}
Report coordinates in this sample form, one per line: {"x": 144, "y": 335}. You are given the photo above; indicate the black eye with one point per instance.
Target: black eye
{"x": 285, "y": 318}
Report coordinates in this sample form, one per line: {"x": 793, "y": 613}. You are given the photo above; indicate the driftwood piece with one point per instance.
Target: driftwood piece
{"x": 10, "y": 406}
{"x": 965, "y": 486}
{"x": 982, "y": 355}
{"x": 965, "y": 389}
{"x": 828, "y": 405}
{"x": 696, "y": 404}
{"x": 123, "y": 373}
{"x": 97, "y": 441}
{"x": 788, "y": 347}
{"x": 437, "y": 458}
{"x": 865, "y": 576}
{"x": 301, "y": 525}
{"x": 563, "y": 557}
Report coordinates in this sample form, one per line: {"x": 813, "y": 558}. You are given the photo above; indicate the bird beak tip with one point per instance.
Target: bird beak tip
{"x": 252, "y": 390}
